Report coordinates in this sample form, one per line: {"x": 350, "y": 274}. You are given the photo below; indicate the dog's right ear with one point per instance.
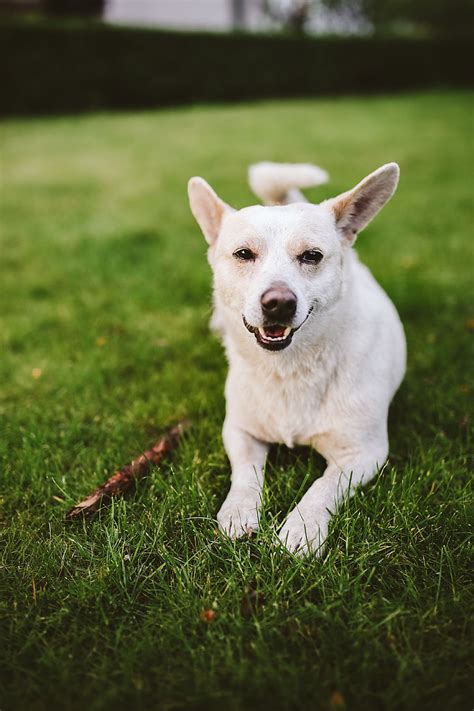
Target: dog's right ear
{"x": 354, "y": 209}
{"x": 207, "y": 208}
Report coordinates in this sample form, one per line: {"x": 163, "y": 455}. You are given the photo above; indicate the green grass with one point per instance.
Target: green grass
{"x": 106, "y": 289}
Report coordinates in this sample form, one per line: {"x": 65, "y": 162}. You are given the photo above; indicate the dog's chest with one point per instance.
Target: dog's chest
{"x": 281, "y": 407}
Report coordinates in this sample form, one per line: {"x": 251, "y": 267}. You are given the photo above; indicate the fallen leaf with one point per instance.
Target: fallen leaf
{"x": 470, "y": 324}
{"x": 337, "y": 701}
{"x": 207, "y": 616}
{"x": 101, "y": 341}
{"x": 36, "y": 373}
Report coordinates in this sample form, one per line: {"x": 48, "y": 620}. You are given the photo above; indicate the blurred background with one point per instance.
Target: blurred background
{"x": 311, "y": 16}
{"x": 107, "y": 108}
{"x": 75, "y": 55}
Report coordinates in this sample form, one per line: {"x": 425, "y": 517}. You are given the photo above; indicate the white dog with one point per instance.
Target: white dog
{"x": 316, "y": 349}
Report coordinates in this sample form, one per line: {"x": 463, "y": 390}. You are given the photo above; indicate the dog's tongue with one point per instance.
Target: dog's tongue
{"x": 275, "y": 331}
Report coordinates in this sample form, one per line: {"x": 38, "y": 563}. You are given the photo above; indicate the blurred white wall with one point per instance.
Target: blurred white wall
{"x": 218, "y": 15}
{"x": 184, "y": 14}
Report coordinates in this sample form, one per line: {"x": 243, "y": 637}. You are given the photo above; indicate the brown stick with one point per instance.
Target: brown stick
{"x": 119, "y": 482}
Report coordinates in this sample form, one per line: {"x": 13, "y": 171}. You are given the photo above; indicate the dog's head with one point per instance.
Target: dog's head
{"x": 274, "y": 267}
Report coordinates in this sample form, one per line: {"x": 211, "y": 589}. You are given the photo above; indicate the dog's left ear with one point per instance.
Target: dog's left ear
{"x": 207, "y": 208}
{"x": 354, "y": 209}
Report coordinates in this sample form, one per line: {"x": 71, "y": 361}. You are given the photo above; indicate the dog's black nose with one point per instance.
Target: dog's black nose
{"x": 278, "y": 303}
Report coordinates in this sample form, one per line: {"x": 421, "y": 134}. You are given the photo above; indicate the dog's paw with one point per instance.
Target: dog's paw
{"x": 239, "y": 514}
{"x": 304, "y": 532}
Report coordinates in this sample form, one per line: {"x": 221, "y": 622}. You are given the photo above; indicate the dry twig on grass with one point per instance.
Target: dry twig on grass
{"x": 119, "y": 482}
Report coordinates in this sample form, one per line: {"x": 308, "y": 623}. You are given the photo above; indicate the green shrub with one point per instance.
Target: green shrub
{"x": 67, "y": 67}
{"x": 74, "y": 7}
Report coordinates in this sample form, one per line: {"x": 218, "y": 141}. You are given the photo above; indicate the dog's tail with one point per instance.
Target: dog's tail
{"x": 279, "y": 183}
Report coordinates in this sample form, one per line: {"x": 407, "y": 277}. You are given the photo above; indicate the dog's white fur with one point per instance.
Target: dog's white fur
{"x": 332, "y": 386}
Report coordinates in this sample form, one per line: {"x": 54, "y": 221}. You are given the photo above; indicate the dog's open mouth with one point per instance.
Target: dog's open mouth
{"x": 274, "y": 337}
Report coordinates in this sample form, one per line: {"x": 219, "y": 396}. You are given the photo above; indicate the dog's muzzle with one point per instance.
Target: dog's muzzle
{"x": 274, "y": 336}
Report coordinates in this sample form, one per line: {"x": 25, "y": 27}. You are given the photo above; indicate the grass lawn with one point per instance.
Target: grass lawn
{"x": 105, "y": 301}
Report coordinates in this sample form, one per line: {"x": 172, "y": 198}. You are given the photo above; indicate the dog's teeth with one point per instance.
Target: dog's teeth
{"x": 270, "y": 337}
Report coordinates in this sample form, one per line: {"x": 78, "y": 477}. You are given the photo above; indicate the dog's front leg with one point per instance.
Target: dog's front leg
{"x": 306, "y": 527}
{"x": 240, "y": 511}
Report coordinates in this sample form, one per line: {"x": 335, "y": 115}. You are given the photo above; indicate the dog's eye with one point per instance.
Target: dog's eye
{"x": 311, "y": 256}
{"x": 246, "y": 255}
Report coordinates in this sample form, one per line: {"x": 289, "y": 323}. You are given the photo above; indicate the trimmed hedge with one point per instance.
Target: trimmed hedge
{"x": 74, "y": 7}
{"x": 57, "y": 68}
